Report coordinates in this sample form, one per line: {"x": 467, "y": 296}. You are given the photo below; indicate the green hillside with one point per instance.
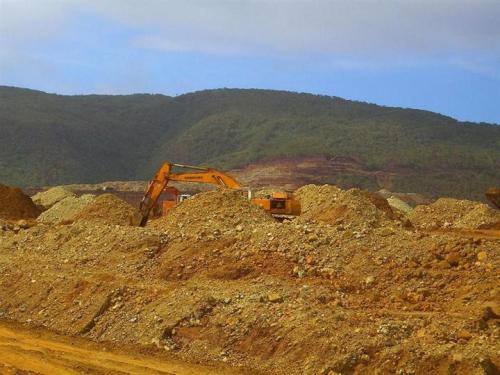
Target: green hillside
{"x": 53, "y": 139}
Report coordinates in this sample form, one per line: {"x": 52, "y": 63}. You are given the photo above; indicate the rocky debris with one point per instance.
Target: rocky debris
{"x": 109, "y": 209}
{"x": 274, "y": 297}
{"x": 16, "y": 225}
{"x": 65, "y": 210}
{"x": 46, "y": 199}
{"x": 454, "y": 213}
{"x": 399, "y": 204}
{"x": 14, "y": 204}
{"x": 5, "y": 225}
{"x": 219, "y": 280}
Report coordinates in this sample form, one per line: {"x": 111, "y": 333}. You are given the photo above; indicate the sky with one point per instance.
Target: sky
{"x": 438, "y": 55}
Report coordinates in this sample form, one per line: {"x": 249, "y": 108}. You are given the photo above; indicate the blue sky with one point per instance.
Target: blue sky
{"x": 439, "y": 55}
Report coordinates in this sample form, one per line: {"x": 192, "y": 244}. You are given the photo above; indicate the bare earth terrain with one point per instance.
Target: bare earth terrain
{"x": 352, "y": 286}
{"x": 38, "y": 351}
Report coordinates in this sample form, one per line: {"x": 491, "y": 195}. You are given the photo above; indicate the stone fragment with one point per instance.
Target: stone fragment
{"x": 274, "y": 297}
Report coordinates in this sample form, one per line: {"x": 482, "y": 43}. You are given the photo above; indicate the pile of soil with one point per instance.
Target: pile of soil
{"x": 65, "y": 210}
{"x": 219, "y": 280}
{"x": 213, "y": 211}
{"x": 48, "y": 198}
{"x": 14, "y": 204}
{"x": 110, "y": 209}
{"x": 352, "y": 208}
{"x": 454, "y": 213}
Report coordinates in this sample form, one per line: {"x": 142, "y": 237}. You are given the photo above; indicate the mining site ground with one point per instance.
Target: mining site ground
{"x": 351, "y": 286}
{"x": 39, "y": 351}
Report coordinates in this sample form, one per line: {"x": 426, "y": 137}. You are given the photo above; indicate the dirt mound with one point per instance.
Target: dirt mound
{"x": 218, "y": 210}
{"x": 219, "y": 280}
{"x": 313, "y": 197}
{"x": 109, "y": 209}
{"x": 48, "y": 198}
{"x": 354, "y": 208}
{"x": 454, "y": 213}
{"x": 14, "y": 204}
{"x": 65, "y": 210}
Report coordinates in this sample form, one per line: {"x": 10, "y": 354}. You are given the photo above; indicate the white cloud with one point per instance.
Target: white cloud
{"x": 358, "y": 28}
{"x": 369, "y": 29}
{"x": 26, "y": 20}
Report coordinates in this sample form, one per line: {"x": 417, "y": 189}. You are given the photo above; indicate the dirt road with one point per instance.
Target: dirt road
{"x": 41, "y": 352}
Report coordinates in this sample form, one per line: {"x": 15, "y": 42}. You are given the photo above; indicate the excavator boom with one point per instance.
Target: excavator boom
{"x": 280, "y": 205}
{"x": 165, "y": 174}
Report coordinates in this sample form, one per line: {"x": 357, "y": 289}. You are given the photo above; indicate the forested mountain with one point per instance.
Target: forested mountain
{"x": 53, "y": 139}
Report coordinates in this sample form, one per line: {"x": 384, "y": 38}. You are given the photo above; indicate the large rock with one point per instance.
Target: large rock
{"x": 48, "y": 198}
{"x": 398, "y": 204}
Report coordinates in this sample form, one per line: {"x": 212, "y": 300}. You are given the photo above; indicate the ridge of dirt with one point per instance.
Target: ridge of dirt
{"x": 14, "y": 204}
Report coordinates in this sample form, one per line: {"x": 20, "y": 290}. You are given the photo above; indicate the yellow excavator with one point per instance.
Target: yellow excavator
{"x": 279, "y": 204}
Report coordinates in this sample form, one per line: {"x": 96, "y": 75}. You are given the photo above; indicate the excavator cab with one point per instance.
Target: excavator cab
{"x": 280, "y": 204}
{"x": 170, "y": 197}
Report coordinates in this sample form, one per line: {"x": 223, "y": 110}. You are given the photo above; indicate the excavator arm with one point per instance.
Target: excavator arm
{"x": 165, "y": 174}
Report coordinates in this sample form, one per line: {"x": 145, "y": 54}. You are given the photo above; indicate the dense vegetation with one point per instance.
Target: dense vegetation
{"x": 53, "y": 139}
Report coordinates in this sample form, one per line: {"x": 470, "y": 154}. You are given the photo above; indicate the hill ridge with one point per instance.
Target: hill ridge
{"x": 52, "y": 139}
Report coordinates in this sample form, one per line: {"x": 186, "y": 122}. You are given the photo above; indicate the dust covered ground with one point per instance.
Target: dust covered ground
{"x": 351, "y": 286}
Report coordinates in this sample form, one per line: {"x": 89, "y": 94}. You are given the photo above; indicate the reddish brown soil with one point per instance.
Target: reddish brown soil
{"x": 292, "y": 173}
{"x": 14, "y": 204}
